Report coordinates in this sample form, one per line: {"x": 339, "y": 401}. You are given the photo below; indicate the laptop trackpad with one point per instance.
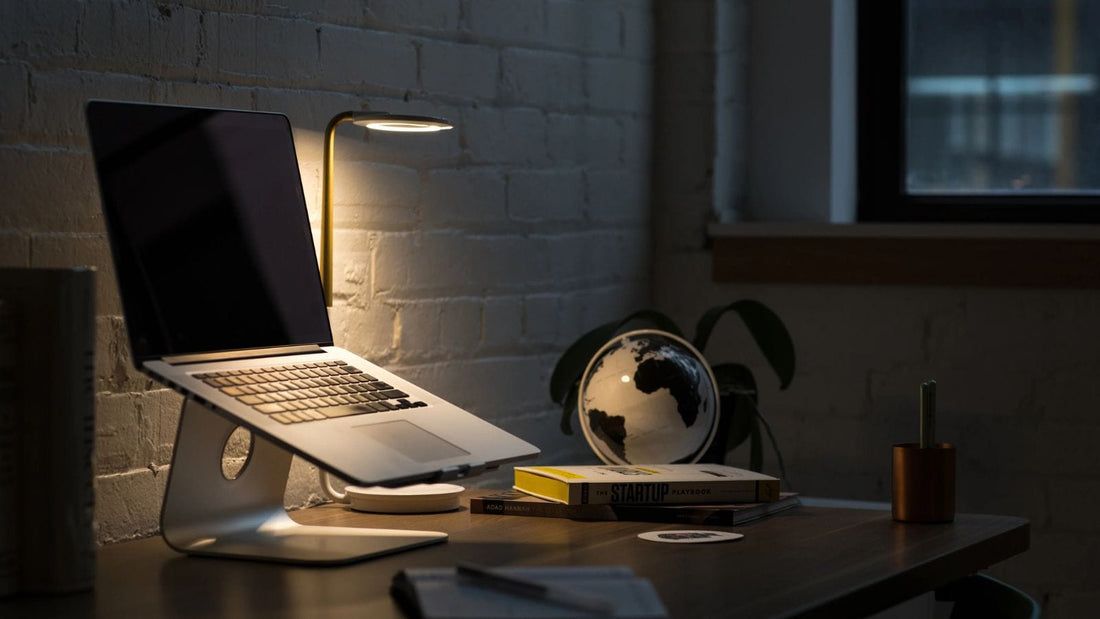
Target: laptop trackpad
{"x": 411, "y": 440}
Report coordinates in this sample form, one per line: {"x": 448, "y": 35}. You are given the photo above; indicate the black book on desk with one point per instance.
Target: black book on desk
{"x": 47, "y": 430}
{"x": 516, "y": 503}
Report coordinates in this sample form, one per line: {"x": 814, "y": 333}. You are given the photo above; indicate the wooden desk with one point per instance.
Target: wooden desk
{"x": 804, "y": 562}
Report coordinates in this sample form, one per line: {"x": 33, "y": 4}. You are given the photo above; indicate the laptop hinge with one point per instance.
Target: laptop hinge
{"x": 249, "y": 353}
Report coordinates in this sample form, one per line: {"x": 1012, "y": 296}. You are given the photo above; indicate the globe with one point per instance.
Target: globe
{"x": 648, "y": 397}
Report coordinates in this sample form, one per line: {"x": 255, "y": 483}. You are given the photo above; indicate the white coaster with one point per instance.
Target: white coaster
{"x": 689, "y": 536}
{"x": 415, "y": 499}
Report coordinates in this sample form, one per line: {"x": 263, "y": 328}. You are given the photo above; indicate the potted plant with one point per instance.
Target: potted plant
{"x": 740, "y": 417}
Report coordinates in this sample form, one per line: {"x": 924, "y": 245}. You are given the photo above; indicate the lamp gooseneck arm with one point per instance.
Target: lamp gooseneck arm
{"x": 326, "y": 202}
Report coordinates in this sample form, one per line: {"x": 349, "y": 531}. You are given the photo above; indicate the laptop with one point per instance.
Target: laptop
{"x": 219, "y": 282}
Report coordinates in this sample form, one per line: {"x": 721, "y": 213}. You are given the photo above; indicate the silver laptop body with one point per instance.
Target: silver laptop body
{"x": 218, "y": 276}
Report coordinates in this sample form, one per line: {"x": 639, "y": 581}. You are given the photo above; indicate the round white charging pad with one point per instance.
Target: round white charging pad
{"x": 415, "y": 499}
{"x": 691, "y": 536}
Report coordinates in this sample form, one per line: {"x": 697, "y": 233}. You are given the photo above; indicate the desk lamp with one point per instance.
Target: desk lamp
{"x": 381, "y": 121}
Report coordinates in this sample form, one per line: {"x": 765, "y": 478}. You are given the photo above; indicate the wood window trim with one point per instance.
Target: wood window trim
{"x": 972, "y": 255}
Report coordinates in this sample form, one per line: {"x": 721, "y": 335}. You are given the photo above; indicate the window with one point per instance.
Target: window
{"x": 979, "y": 110}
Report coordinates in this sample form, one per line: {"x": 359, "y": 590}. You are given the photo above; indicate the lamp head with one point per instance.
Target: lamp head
{"x": 407, "y": 123}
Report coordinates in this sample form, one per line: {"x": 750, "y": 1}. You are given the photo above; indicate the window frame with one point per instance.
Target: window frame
{"x": 880, "y": 158}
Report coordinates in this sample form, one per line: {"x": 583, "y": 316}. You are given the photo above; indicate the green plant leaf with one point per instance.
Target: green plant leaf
{"x": 735, "y": 382}
{"x": 567, "y": 409}
{"x": 568, "y": 370}
{"x": 740, "y": 421}
{"x": 775, "y": 445}
{"x": 766, "y": 329}
{"x": 734, "y": 378}
{"x": 756, "y": 451}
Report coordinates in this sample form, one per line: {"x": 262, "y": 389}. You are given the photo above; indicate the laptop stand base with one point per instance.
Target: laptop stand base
{"x": 204, "y": 513}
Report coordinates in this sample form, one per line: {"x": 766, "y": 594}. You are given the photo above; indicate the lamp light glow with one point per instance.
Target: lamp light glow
{"x": 379, "y": 121}
{"x": 403, "y": 127}
{"x": 405, "y": 123}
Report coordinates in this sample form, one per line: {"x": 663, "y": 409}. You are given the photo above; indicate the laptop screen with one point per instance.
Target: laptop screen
{"x": 208, "y": 227}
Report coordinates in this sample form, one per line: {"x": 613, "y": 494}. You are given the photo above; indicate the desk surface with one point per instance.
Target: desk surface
{"x": 806, "y": 561}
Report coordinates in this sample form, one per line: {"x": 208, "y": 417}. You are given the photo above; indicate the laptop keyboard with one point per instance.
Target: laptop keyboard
{"x": 309, "y": 391}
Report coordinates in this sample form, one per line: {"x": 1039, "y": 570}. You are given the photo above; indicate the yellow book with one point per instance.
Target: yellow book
{"x": 646, "y": 484}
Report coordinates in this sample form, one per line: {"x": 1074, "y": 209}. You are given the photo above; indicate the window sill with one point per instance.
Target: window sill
{"x": 990, "y": 255}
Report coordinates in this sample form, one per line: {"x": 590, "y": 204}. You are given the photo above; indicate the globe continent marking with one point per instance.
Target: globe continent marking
{"x": 647, "y": 397}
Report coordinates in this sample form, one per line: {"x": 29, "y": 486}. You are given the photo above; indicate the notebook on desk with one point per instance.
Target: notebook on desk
{"x": 438, "y": 592}
{"x": 222, "y": 299}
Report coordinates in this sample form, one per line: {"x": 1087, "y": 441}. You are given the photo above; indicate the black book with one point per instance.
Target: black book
{"x": 516, "y": 503}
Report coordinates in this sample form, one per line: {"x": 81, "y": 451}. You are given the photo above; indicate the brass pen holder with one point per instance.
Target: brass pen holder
{"x": 924, "y": 483}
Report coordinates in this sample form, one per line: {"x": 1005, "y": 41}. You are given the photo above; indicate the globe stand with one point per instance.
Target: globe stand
{"x": 204, "y": 513}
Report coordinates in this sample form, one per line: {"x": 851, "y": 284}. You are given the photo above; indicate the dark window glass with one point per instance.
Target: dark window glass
{"x": 982, "y": 110}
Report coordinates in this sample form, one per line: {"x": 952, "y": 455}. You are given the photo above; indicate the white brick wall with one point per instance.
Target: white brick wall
{"x": 457, "y": 70}
{"x": 552, "y": 81}
{"x": 463, "y": 259}
{"x": 414, "y": 15}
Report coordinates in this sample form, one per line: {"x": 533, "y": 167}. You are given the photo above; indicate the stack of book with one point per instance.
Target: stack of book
{"x": 702, "y": 494}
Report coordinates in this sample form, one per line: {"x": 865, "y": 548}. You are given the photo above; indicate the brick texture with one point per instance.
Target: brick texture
{"x": 462, "y": 259}
{"x": 1016, "y": 367}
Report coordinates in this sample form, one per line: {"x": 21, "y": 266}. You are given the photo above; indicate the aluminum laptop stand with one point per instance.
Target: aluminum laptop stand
{"x": 204, "y": 513}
